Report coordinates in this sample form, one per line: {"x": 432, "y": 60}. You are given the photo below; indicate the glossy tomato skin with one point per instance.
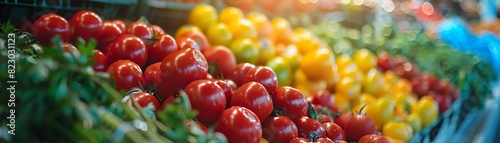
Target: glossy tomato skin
{"x": 308, "y": 126}
{"x": 358, "y": 126}
{"x": 221, "y": 61}
{"x": 139, "y": 29}
{"x": 152, "y": 74}
{"x": 343, "y": 118}
{"x": 127, "y": 47}
{"x": 304, "y": 140}
{"x": 157, "y": 30}
{"x": 207, "y": 98}
{"x": 373, "y": 138}
{"x": 253, "y": 95}
{"x": 144, "y": 99}
{"x": 334, "y": 131}
{"x": 100, "y": 61}
{"x": 325, "y": 119}
{"x": 68, "y": 48}
{"x": 167, "y": 102}
{"x": 109, "y": 32}
{"x": 126, "y": 73}
{"x": 50, "y": 25}
{"x": 185, "y": 42}
{"x": 291, "y": 101}
{"x": 324, "y": 98}
{"x": 180, "y": 68}
{"x": 159, "y": 49}
{"x": 86, "y": 24}
{"x": 119, "y": 23}
{"x": 239, "y": 72}
{"x": 200, "y": 39}
{"x": 239, "y": 125}
{"x": 263, "y": 75}
{"x": 228, "y": 90}
{"x": 279, "y": 129}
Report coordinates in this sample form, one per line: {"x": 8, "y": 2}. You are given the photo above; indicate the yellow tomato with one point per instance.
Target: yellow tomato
{"x": 242, "y": 28}
{"x": 307, "y": 44}
{"x": 365, "y": 98}
{"x": 245, "y": 50}
{"x": 317, "y": 65}
{"x": 262, "y": 140}
{"x": 365, "y": 59}
{"x": 351, "y": 70}
{"x": 266, "y": 51}
{"x": 203, "y": 16}
{"x": 187, "y": 28}
{"x": 348, "y": 86}
{"x": 391, "y": 77}
{"x": 398, "y": 130}
{"x": 393, "y": 140}
{"x": 403, "y": 85}
{"x": 292, "y": 56}
{"x": 262, "y": 24}
{"x": 300, "y": 80}
{"x": 230, "y": 14}
{"x": 401, "y": 97}
{"x": 343, "y": 61}
{"x": 385, "y": 90}
{"x": 219, "y": 34}
{"x": 400, "y": 111}
{"x": 384, "y": 111}
{"x": 372, "y": 81}
{"x": 427, "y": 109}
{"x": 282, "y": 31}
{"x": 342, "y": 102}
{"x": 415, "y": 122}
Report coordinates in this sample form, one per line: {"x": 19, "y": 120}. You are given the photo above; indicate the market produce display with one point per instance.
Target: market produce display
{"x": 230, "y": 75}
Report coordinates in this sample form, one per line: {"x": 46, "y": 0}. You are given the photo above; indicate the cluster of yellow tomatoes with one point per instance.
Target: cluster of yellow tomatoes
{"x": 301, "y": 60}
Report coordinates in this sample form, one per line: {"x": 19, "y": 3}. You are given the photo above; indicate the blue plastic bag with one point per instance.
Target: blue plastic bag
{"x": 486, "y": 46}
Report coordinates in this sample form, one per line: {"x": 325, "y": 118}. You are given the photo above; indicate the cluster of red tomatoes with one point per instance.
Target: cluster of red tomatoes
{"x": 423, "y": 84}
{"x": 242, "y": 101}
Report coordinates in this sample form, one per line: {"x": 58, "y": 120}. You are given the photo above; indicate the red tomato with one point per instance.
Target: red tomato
{"x": 304, "y": 140}
{"x": 127, "y": 47}
{"x": 207, "y": 98}
{"x": 325, "y": 119}
{"x": 420, "y": 86}
{"x": 100, "y": 61}
{"x": 221, "y": 61}
{"x": 443, "y": 101}
{"x": 200, "y": 39}
{"x": 120, "y": 24}
{"x": 157, "y": 30}
{"x": 152, "y": 74}
{"x": 239, "y": 125}
{"x": 139, "y": 29}
{"x": 279, "y": 129}
{"x": 405, "y": 69}
{"x": 50, "y": 25}
{"x": 358, "y": 126}
{"x": 239, "y": 72}
{"x": 343, "y": 118}
{"x": 373, "y": 138}
{"x": 161, "y": 47}
{"x": 228, "y": 90}
{"x": 144, "y": 99}
{"x": 253, "y": 95}
{"x": 68, "y": 48}
{"x": 126, "y": 73}
{"x": 263, "y": 75}
{"x": 324, "y": 98}
{"x": 308, "y": 126}
{"x": 199, "y": 124}
{"x": 291, "y": 101}
{"x": 86, "y": 24}
{"x": 180, "y": 68}
{"x": 185, "y": 42}
{"x": 334, "y": 131}
{"x": 167, "y": 102}
{"x": 384, "y": 61}
{"x": 109, "y": 32}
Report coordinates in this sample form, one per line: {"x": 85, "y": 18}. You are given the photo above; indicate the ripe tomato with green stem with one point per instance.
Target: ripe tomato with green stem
{"x": 160, "y": 46}
{"x": 253, "y": 95}
{"x": 239, "y": 125}
{"x": 359, "y": 125}
{"x": 180, "y": 68}
{"x": 50, "y": 25}
{"x": 207, "y": 98}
